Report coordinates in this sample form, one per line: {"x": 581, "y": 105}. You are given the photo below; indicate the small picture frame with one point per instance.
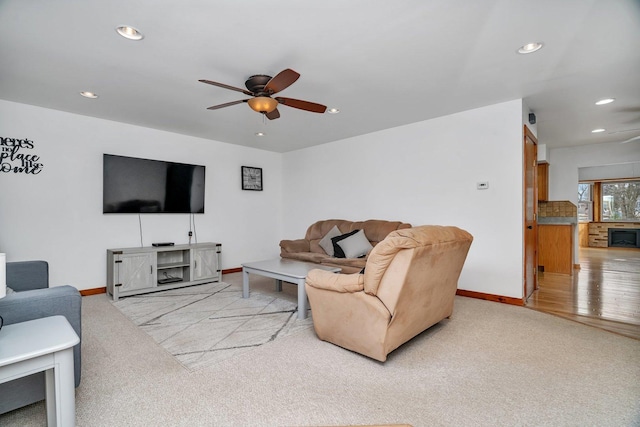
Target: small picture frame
{"x": 251, "y": 178}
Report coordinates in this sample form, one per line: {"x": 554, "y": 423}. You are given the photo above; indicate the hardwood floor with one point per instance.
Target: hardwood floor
{"x": 604, "y": 293}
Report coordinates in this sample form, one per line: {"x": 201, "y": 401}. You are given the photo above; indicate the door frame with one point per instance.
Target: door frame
{"x": 529, "y": 166}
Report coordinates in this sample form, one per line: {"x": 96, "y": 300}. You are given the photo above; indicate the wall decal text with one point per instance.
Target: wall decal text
{"x": 15, "y": 158}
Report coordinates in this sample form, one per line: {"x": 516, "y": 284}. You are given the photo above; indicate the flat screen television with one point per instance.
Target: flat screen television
{"x": 133, "y": 185}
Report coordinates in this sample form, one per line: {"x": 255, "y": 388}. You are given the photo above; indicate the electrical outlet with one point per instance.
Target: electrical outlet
{"x": 483, "y": 185}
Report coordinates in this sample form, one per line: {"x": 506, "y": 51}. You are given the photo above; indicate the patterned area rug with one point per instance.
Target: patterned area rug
{"x": 205, "y": 324}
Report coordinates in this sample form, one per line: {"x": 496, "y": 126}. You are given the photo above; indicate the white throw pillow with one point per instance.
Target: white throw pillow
{"x": 326, "y": 243}
{"x": 356, "y": 245}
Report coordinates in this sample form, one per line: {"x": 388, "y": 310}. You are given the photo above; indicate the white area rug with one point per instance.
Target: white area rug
{"x": 205, "y": 324}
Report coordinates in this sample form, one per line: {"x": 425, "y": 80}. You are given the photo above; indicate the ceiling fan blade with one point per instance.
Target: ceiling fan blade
{"x": 302, "y": 105}
{"x": 275, "y": 114}
{"x": 228, "y": 104}
{"x": 635, "y": 138}
{"x": 222, "y": 85}
{"x": 283, "y": 80}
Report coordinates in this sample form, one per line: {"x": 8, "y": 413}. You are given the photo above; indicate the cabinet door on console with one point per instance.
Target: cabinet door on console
{"x": 205, "y": 263}
{"x": 135, "y": 271}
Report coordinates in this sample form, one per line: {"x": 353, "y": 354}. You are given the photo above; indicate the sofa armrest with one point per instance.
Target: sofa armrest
{"x": 322, "y": 279}
{"x": 27, "y": 275}
{"x": 294, "y": 246}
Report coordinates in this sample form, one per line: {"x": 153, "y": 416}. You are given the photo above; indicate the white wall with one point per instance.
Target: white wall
{"x": 425, "y": 173}
{"x": 565, "y": 162}
{"x": 525, "y": 121}
{"x": 619, "y": 171}
{"x": 56, "y": 215}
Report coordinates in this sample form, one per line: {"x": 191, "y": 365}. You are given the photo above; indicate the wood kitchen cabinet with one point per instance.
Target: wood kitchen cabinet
{"x": 543, "y": 182}
{"x": 555, "y": 248}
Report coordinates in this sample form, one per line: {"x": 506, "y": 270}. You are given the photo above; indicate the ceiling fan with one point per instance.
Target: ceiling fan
{"x": 635, "y": 138}
{"x": 626, "y": 141}
{"x": 261, "y": 88}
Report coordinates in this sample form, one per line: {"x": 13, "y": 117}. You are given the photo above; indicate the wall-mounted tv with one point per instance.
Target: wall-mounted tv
{"x": 133, "y": 185}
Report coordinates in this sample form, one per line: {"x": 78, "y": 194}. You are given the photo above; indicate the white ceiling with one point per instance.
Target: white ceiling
{"x": 382, "y": 63}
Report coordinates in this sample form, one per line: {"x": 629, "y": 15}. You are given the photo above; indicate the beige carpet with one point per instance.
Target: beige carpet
{"x": 205, "y": 324}
{"x": 489, "y": 365}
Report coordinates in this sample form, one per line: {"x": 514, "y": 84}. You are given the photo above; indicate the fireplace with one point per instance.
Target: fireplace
{"x": 624, "y": 238}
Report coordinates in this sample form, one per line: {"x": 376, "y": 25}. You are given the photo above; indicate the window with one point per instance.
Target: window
{"x": 585, "y": 202}
{"x": 621, "y": 201}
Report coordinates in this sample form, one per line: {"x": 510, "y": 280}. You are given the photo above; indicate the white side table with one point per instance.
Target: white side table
{"x": 44, "y": 344}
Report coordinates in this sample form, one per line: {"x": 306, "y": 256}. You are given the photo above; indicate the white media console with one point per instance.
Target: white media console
{"x": 132, "y": 271}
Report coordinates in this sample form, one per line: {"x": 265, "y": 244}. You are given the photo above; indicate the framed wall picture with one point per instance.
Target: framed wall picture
{"x": 251, "y": 178}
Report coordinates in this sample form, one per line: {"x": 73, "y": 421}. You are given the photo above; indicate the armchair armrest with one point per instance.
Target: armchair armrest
{"x": 35, "y": 304}
{"x": 38, "y": 303}
{"x": 322, "y": 279}
{"x": 294, "y": 246}
{"x": 27, "y": 275}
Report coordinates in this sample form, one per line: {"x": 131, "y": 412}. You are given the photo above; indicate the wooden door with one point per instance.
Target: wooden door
{"x": 530, "y": 213}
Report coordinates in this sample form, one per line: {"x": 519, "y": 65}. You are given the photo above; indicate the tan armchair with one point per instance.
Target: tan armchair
{"x": 409, "y": 284}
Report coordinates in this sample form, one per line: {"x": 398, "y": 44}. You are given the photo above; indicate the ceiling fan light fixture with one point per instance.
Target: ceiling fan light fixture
{"x": 530, "y": 48}
{"x": 333, "y": 111}
{"x": 605, "y": 101}
{"x": 263, "y": 104}
{"x": 129, "y": 32}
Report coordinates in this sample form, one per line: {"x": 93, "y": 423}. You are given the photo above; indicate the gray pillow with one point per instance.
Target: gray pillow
{"x": 356, "y": 245}
{"x": 326, "y": 243}
{"x": 9, "y": 291}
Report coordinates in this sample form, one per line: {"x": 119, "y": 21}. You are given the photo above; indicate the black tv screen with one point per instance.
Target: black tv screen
{"x": 133, "y": 185}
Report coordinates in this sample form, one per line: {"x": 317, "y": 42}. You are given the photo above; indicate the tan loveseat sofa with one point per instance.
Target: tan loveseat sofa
{"x": 409, "y": 284}
{"x": 309, "y": 249}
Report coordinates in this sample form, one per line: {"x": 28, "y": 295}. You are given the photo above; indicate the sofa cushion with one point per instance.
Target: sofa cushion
{"x": 356, "y": 245}
{"x": 307, "y": 257}
{"x": 377, "y": 229}
{"x": 326, "y": 243}
{"x": 337, "y": 250}
{"x": 319, "y": 229}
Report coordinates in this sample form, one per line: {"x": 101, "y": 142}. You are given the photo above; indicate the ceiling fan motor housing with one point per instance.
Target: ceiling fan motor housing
{"x": 257, "y": 83}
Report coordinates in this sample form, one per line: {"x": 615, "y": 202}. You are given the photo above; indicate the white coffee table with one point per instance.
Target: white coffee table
{"x": 44, "y": 344}
{"x": 283, "y": 270}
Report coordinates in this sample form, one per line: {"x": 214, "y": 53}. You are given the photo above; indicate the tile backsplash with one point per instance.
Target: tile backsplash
{"x": 562, "y": 208}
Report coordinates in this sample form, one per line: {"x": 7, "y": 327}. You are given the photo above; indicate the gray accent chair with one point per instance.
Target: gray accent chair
{"x": 34, "y": 299}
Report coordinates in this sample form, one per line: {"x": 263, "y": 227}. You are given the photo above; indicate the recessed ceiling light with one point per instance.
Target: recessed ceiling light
{"x": 90, "y": 95}
{"x": 598, "y": 130}
{"x": 605, "y": 101}
{"x": 530, "y": 48}
{"x": 260, "y": 134}
{"x": 333, "y": 111}
{"x": 129, "y": 32}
